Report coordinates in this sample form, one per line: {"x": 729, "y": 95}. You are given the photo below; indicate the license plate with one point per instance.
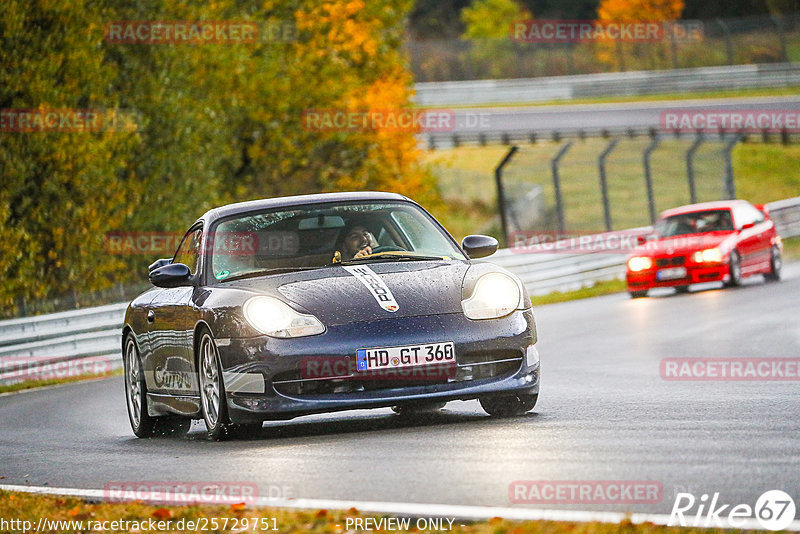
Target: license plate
{"x": 405, "y": 356}
{"x": 672, "y": 273}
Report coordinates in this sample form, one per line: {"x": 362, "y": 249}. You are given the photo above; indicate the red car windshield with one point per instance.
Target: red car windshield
{"x": 698, "y": 222}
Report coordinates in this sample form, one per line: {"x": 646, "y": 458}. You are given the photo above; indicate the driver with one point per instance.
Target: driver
{"x": 355, "y": 242}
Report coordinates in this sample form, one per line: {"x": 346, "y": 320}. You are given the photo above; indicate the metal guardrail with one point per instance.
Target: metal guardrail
{"x": 96, "y": 332}
{"x": 482, "y": 92}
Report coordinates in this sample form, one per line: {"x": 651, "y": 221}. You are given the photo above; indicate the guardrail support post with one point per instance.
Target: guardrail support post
{"x": 730, "y": 185}
{"x": 557, "y": 186}
{"x": 690, "y": 166}
{"x": 501, "y": 196}
{"x": 601, "y": 164}
{"x": 648, "y": 178}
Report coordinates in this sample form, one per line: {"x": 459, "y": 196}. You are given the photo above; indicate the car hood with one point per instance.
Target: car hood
{"x": 685, "y": 244}
{"x": 368, "y": 291}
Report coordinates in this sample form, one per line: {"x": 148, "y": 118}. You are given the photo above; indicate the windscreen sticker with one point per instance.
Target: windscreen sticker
{"x": 376, "y": 286}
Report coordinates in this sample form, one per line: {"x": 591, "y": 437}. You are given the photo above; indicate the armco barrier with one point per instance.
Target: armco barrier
{"x": 525, "y": 90}
{"x": 95, "y": 332}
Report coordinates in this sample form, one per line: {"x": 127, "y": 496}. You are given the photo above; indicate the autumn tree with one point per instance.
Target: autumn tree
{"x": 60, "y": 190}
{"x": 614, "y": 52}
{"x": 488, "y": 25}
{"x": 213, "y": 123}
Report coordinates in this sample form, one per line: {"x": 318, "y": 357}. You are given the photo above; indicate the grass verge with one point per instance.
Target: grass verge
{"x": 30, "y": 384}
{"x": 791, "y": 248}
{"x": 605, "y": 287}
{"x": 85, "y": 517}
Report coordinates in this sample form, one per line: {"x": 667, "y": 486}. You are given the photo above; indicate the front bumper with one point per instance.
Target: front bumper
{"x": 695, "y": 274}
{"x": 266, "y": 378}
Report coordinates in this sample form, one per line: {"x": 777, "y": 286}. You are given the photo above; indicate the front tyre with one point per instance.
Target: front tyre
{"x": 775, "y": 265}
{"x": 734, "y": 270}
{"x": 508, "y": 406}
{"x": 142, "y": 423}
{"x": 637, "y": 294}
{"x": 213, "y": 401}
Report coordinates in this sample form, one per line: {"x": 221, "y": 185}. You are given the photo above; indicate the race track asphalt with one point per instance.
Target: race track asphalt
{"x": 604, "y": 414}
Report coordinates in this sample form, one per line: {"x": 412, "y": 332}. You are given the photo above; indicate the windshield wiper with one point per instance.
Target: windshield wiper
{"x": 393, "y": 256}
{"x": 264, "y": 272}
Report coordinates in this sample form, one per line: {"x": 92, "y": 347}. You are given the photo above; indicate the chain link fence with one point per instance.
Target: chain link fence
{"x": 602, "y": 184}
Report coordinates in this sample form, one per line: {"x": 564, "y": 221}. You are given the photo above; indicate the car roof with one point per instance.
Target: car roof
{"x": 703, "y": 206}
{"x": 296, "y": 200}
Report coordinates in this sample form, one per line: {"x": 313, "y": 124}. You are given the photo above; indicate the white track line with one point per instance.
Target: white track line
{"x": 416, "y": 509}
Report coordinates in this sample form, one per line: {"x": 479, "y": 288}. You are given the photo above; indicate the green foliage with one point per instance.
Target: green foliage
{"x": 488, "y": 25}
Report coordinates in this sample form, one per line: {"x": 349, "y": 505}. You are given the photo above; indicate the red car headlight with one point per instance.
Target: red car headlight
{"x": 640, "y": 263}
{"x": 709, "y": 255}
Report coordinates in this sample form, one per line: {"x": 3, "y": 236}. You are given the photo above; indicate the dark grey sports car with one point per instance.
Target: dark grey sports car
{"x": 277, "y": 308}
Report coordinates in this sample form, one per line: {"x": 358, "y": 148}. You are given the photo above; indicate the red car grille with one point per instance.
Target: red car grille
{"x": 668, "y": 262}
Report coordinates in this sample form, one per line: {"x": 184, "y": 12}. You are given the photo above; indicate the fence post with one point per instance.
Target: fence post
{"x": 728, "y": 44}
{"x": 648, "y": 178}
{"x": 557, "y": 185}
{"x": 501, "y": 196}
{"x": 603, "y": 183}
{"x": 730, "y": 185}
{"x": 690, "y": 166}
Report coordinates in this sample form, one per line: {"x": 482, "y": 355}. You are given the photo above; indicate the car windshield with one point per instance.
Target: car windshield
{"x": 698, "y": 222}
{"x": 309, "y": 237}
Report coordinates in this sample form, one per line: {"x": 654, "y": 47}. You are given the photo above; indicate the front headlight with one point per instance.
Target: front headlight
{"x": 495, "y": 295}
{"x": 275, "y": 318}
{"x": 639, "y": 263}
{"x": 710, "y": 255}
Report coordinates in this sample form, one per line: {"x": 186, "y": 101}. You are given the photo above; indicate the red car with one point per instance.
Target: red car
{"x": 722, "y": 241}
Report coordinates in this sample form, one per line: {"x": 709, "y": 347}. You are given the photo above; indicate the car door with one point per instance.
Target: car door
{"x": 170, "y": 327}
{"x": 750, "y": 228}
{"x": 763, "y": 247}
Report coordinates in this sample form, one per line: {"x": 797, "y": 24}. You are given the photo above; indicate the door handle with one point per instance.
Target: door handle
{"x": 151, "y": 316}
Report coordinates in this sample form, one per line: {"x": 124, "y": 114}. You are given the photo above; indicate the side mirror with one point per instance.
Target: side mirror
{"x": 641, "y": 239}
{"x": 171, "y": 275}
{"x": 748, "y": 225}
{"x": 479, "y": 246}
{"x": 763, "y": 209}
{"x": 159, "y": 263}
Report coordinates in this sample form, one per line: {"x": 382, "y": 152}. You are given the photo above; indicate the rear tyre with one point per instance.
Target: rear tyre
{"x": 734, "y": 270}
{"x": 775, "y": 265}
{"x": 508, "y": 406}
{"x": 681, "y": 289}
{"x": 142, "y": 423}
{"x": 637, "y": 294}
{"x": 418, "y": 407}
